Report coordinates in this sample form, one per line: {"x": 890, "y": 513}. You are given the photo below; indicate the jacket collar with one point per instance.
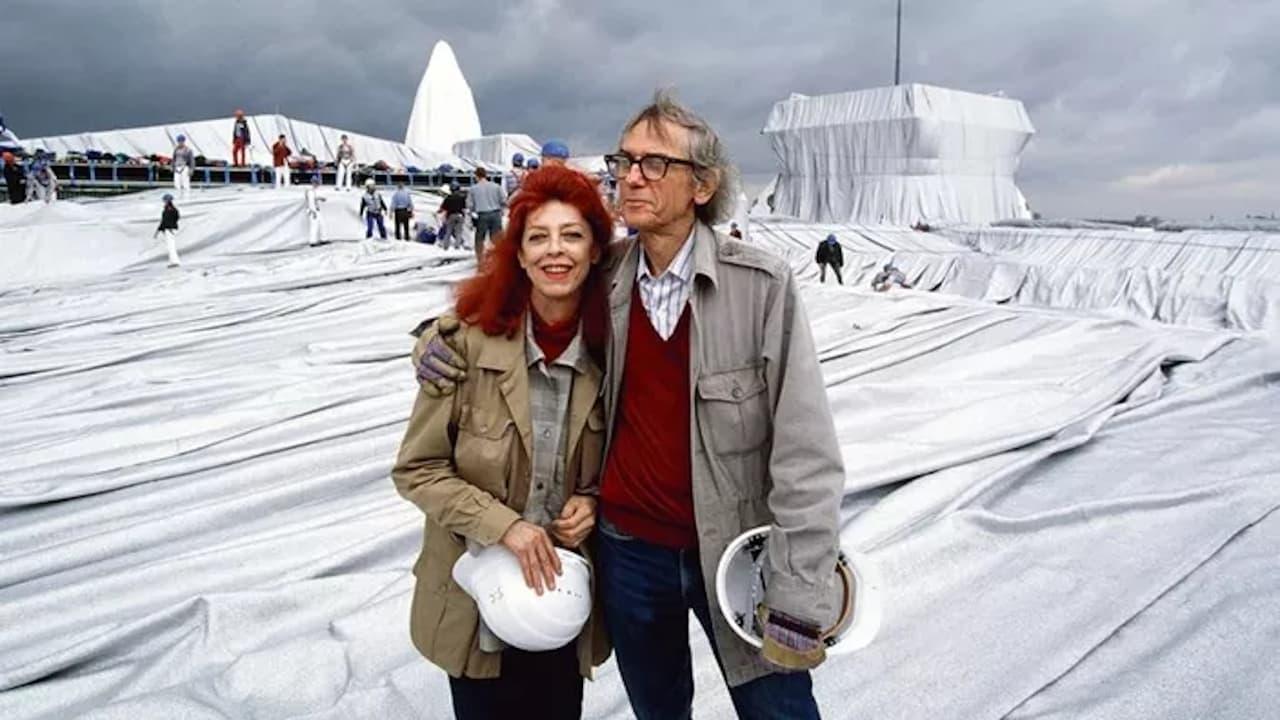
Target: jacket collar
{"x": 625, "y": 262}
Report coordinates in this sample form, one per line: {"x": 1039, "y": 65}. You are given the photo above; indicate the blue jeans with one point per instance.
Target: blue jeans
{"x": 488, "y": 225}
{"x": 648, "y": 591}
{"x": 531, "y": 684}
{"x": 369, "y": 219}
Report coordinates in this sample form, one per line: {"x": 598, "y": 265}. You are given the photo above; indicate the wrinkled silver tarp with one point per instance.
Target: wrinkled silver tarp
{"x": 1073, "y": 515}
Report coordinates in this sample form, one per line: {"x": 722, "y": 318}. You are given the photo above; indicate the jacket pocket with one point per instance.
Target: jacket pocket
{"x": 734, "y": 411}
{"x": 483, "y": 449}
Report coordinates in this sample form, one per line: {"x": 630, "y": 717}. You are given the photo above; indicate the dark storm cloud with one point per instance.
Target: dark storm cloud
{"x": 1141, "y": 106}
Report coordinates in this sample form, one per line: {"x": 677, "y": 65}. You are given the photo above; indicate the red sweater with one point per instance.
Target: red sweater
{"x": 647, "y": 486}
{"x": 554, "y": 338}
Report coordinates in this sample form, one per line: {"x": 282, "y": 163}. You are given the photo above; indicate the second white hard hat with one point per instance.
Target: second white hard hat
{"x": 740, "y": 588}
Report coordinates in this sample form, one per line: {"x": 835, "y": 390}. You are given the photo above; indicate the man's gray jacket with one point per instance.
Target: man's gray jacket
{"x": 763, "y": 441}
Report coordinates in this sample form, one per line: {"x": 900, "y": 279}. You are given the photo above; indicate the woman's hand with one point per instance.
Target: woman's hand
{"x": 532, "y": 547}
{"x": 576, "y": 521}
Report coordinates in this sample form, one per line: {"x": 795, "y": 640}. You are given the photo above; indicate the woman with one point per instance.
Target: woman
{"x": 513, "y": 456}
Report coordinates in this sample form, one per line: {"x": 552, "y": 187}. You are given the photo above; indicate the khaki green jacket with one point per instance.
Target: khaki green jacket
{"x": 465, "y": 462}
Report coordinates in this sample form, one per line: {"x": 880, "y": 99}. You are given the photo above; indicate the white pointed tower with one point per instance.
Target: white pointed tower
{"x": 444, "y": 112}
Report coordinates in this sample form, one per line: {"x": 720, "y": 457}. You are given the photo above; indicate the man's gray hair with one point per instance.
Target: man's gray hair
{"x": 708, "y": 153}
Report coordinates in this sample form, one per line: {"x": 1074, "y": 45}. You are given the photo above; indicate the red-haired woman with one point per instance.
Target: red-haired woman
{"x": 514, "y": 455}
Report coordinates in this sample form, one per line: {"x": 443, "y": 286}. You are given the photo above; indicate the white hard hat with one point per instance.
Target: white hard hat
{"x": 740, "y": 585}
{"x": 513, "y": 611}
{"x": 369, "y": 182}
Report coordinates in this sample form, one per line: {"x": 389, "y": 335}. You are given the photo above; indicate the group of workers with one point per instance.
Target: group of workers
{"x": 32, "y": 181}
{"x": 830, "y": 255}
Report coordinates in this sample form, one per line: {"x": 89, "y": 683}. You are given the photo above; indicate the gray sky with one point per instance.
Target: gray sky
{"x": 1169, "y": 107}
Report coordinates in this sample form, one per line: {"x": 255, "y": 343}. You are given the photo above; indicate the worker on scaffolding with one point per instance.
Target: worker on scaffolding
{"x": 184, "y": 162}
{"x": 240, "y": 139}
{"x": 346, "y": 164}
{"x": 15, "y": 181}
{"x": 42, "y": 184}
{"x": 280, "y": 153}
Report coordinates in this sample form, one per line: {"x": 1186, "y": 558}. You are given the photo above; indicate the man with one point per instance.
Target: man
{"x": 511, "y": 182}
{"x": 15, "y": 181}
{"x": 734, "y": 232}
{"x": 372, "y": 207}
{"x": 402, "y": 211}
{"x": 718, "y": 422}
{"x": 555, "y": 152}
{"x": 452, "y": 212}
{"x": 315, "y": 223}
{"x": 346, "y": 163}
{"x": 830, "y": 254}
{"x": 423, "y": 232}
{"x": 280, "y": 153}
{"x": 42, "y": 184}
{"x": 485, "y": 201}
{"x": 239, "y": 139}
{"x": 184, "y": 160}
{"x": 169, "y": 228}
{"x": 889, "y": 277}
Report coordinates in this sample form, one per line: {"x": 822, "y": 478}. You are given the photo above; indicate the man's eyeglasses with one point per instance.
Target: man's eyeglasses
{"x": 652, "y": 167}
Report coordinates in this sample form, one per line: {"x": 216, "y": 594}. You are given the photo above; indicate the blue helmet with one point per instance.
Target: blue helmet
{"x": 517, "y": 160}
{"x": 532, "y": 164}
{"x": 182, "y": 138}
{"x": 453, "y": 186}
{"x": 555, "y": 149}
{"x": 168, "y": 197}
{"x": 831, "y": 237}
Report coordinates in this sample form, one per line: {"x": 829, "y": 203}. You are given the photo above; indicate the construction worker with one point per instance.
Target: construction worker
{"x": 184, "y": 161}
{"x": 555, "y": 152}
{"x": 402, "y": 210}
{"x": 511, "y": 183}
{"x": 486, "y": 202}
{"x": 315, "y": 222}
{"x": 888, "y": 278}
{"x": 373, "y": 207}
{"x": 829, "y": 254}
{"x": 239, "y": 139}
{"x": 346, "y": 163}
{"x": 15, "y": 181}
{"x": 453, "y": 215}
{"x": 42, "y": 184}
{"x": 280, "y": 153}
{"x": 169, "y": 228}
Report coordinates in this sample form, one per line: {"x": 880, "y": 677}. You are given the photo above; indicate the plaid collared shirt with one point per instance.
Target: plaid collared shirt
{"x": 665, "y": 296}
{"x": 549, "y": 387}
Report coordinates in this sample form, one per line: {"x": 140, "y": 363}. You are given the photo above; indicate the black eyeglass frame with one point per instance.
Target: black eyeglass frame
{"x": 613, "y": 160}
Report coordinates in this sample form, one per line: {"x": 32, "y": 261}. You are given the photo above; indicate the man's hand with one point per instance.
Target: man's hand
{"x": 532, "y": 547}
{"x": 441, "y": 367}
{"x": 791, "y": 643}
{"x": 576, "y": 521}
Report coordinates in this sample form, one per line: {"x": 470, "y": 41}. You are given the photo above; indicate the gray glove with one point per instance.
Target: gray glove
{"x": 791, "y": 644}
{"x": 441, "y": 367}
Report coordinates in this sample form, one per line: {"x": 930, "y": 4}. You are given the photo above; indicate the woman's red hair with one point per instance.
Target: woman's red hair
{"x": 496, "y": 298}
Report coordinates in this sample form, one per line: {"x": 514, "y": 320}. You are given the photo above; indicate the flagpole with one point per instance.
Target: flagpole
{"x": 897, "y": 52}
